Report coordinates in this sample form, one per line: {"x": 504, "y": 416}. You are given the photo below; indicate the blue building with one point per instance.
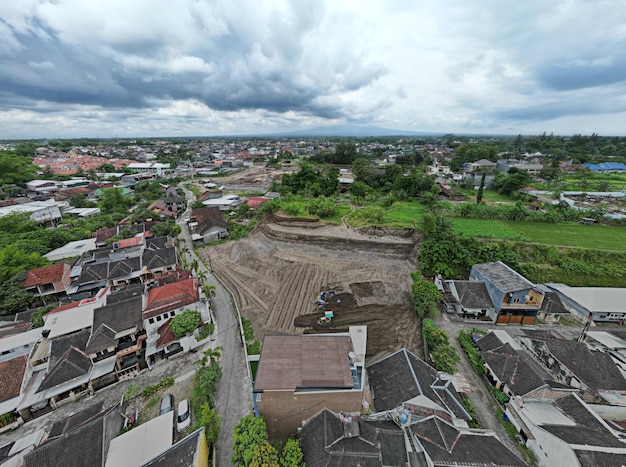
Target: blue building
{"x": 516, "y": 299}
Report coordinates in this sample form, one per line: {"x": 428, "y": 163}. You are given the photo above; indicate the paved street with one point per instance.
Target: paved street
{"x": 234, "y": 393}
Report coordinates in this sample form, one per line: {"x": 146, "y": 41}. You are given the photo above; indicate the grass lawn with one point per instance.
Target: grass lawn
{"x": 342, "y": 210}
{"x": 585, "y": 236}
{"x": 403, "y": 214}
{"x": 486, "y": 229}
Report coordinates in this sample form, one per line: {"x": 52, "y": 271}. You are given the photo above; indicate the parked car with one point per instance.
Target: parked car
{"x": 167, "y": 404}
{"x": 183, "y": 421}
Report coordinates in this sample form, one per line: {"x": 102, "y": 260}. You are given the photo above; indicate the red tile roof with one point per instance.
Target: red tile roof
{"x": 11, "y": 374}
{"x": 45, "y": 275}
{"x": 255, "y": 203}
{"x": 171, "y": 297}
{"x": 128, "y": 242}
{"x": 165, "y": 335}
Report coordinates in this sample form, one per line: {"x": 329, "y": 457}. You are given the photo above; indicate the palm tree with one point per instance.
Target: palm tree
{"x": 209, "y": 291}
{"x": 211, "y": 355}
{"x": 201, "y": 275}
{"x": 195, "y": 266}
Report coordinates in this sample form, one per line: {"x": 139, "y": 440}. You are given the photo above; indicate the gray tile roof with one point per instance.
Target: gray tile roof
{"x": 446, "y": 445}
{"x": 86, "y": 445}
{"x": 124, "y": 268}
{"x": 159, "y": 258}
{"x": 599, "y": 458}
{"x": 324, "y": 442}
{"x": 72, "y": 364}
{"x": 503, "y": 277}
{"x": 596, "y": 369}
{"x": 183, "y": 453}
{"x": 402, "y": 376}
{"x": 513, "y": 367}
{"x": 120, "y": 316}
{"x": 473, "y": 294}
{"x": 489, "y": 341}
{"x": 101, "y": 339}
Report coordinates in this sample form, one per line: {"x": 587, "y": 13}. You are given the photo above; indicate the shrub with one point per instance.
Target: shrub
{"x": 465, "y": 339}
{"x": 207, "y": 330}
{"x": 501, "y": 397}
{"x": 444, "y": 357}
{"x": 185, "y": 323}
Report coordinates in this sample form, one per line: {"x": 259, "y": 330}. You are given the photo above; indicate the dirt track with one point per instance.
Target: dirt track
{"x": 278, "y": 272}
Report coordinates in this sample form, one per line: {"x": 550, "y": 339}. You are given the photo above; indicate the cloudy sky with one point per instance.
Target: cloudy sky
{"x": 127, "y": 68}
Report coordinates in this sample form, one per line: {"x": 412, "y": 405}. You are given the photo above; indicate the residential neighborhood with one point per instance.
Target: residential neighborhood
{"x": 165, "y": 294}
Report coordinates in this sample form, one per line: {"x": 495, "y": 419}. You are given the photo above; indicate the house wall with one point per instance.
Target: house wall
{"x": 543, "y": 355}
{"x": 549, "y": 450}
{"x": 284, "y": 411}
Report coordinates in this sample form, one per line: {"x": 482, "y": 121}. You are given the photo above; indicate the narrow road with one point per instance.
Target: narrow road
{"x": 234, "y": 393}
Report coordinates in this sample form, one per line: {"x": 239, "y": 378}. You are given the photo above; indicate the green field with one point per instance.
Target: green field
{"x": 404, "y": 214}
{"x": 599, "y": 237}
{"x": 486, "y": 229}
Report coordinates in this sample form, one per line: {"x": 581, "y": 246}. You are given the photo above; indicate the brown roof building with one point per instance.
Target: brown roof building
{"x": 299, "y": 375}
{"x": 48, "y": 280}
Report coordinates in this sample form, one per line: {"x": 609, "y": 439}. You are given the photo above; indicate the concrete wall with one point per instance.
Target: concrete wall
{"x": 284, "y": 411}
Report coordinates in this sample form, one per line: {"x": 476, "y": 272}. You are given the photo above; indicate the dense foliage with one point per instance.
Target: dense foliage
{"x": 252, "y": 448}
{"x": 465, "y": 339}
{"x": 185, "y": 323}
{"x": 442, "y": 353}
{"x": 424, "y": 295}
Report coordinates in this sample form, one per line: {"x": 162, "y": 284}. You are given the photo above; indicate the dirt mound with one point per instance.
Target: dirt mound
{"x": 278, "y": 272}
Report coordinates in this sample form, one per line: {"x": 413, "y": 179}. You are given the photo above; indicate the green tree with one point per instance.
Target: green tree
{"x": 13, "y": 298}
{"x": 37, "y": 317}
{"x": 211, "y": 355}
{"x": 168, "y": 228}
{"x": 425, "y": 295}
{"x": 479, "y": 195}
{"x": 185, "y": 323}
{"x": 291, "y": 456}
{"x": 210, "y": 420}
{"x": 14, "y": 260}
{"x": 265, "y": 456}
{"x": 249, "y": 434}
{"x": 113, "y": 201}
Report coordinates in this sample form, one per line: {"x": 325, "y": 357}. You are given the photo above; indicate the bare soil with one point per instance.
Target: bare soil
{"x": 277, "y": 273}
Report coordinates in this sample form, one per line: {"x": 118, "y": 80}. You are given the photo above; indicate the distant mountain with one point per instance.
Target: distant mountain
{"x": 351, "y": 131}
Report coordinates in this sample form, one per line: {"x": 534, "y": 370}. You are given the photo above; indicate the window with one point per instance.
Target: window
{"x": 159, "y": 318}
{"x": 151, "y": 321}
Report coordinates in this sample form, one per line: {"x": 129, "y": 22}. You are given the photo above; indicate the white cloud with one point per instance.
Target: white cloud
{"x": 205, "y": 67}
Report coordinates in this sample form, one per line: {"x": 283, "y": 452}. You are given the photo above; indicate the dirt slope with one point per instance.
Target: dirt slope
{"x": 278, "y": 272}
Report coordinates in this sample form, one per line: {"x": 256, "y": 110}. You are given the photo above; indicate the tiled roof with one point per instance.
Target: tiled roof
{"x": 45, "y": 275}
{"x": 596, "y": 369}
{"x": 255, "y": 202}
{"x": 324, "y": 442}
{"x": 165, "y": 334}
{"x": 157, "y": 243}
{"x": 120, "y": 316}
{"x": 85, "y": 445}
{"x": 171, "y": 296}
{"x": 159, "y": 258}
{"x": 511, "y": 367}
{"x": 72, "y": 364}
{"x": 128, "y": 242}
{"x": 450, "y": 446}
{"x": 11, "y": 374}
{"x": 489, "y": 341}
{"x": 402, "y": 376}
{"x": 124, "y": 268}
{"x": 599, "y": 458}
{"x": 207, "y": 218}
{"x": 184, "y": 452}
{"x": 473, "y": 294}
{"x": 101, "y": 339}
{"x": 503, "y": 277}
{"x": 103, "y": 234}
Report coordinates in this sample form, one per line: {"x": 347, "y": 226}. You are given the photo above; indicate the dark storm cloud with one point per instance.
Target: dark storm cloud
{"x": 245, "y": 68}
